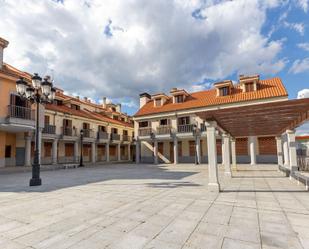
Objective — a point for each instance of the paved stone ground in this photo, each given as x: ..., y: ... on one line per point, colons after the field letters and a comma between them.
x: 147, y: 206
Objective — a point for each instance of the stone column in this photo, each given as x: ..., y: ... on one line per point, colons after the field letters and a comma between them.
x: 292, y: 151
x: 175, y: 150
x: 107, y: 151
x: 155, y: 152
x: 198, y: 149
x: 213, y: 183
x: 93, y: 152
x: 28, y: 151
x: 129, y: 152
x: 286, y: 152
x: 233, y: 150
x: 76, y: 155
x: 119, y: 152
x: 252, y: 145
x: 137, y: 150
x: 222, y: 150
x: 226, y: 155
x: 279, y: 150
x: 55, y: 151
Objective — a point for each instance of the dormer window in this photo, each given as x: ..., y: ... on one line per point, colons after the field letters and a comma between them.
x: 159, y: 99
x: 249, y: 83
x: 179, y: 95
x: 157, y: 102
x: 179, y: 99
x: 224, y: 88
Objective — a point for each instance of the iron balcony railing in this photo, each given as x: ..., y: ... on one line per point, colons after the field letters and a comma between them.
x: 164, y: 129
x: 69, y: 131
x: 203, y: 127
x: 126, y: 138
x: 115, y: 136
x: 185, y: 128
x: 103, y: 135
x: 144, y: 131
x: 88, y: 133
x: 15, y: 111
x: 49, y: 129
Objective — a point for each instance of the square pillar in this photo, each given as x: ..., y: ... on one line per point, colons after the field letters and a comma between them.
x: 107, y: 152
x: 222, y: 151
x: 155, y: 152
x: 28, y: 151
x: 138, y: 153
x: 252, y: 146
x: 93, y: 152
x: 213, y: 183
x: 54, y: 151
x: 118, y: 152
x: 198, y: 149
x: 292, y: 151
x: 175, y: 148
x: 76, y: 155
x: 129, y: 152
x: 226, y: 155
x: 286, y: 152
x: 233, y: 150
x: 279, y: 150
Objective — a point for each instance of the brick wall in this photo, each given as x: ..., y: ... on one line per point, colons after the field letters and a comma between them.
x: 267, y: 146
x: 242, y: 146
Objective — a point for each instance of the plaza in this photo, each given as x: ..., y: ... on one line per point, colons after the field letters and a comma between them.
x: 162, y: 206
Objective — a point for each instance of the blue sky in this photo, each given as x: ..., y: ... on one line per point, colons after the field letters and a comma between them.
x: 119, y: 48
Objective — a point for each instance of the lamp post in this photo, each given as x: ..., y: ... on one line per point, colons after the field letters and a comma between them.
x: 81, y: 160
x: 195, y: 132
x: 39, y: 93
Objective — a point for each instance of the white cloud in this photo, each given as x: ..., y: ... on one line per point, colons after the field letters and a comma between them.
x: 300, y: 66
x: 304, y: 4
x: 303, y: 94
x: 304, y: 46
x: 298, y: 27
x: 150, y: 45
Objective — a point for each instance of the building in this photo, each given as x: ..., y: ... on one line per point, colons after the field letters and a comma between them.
x: 302, y: 145
x: 168, y: 129
x: 107, y: 131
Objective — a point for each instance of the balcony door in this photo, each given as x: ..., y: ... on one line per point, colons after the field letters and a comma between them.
x: 184, y: 121
x: 15, y: 100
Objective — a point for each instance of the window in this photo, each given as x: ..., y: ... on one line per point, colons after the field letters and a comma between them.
x: 183, y: 120
x: 67, y: 123
x: 224, y: 91
x: 157, y: 102
x: 143, y: 124
x: 114, y: 130
x: 46, y: 120
x: 115, y: 117
x: 164, y: 122
x: 192, y: 148
x: 8, y: 151
x: 113, y: 109
x: 179, y: 99
x: 75, y: 107
x: 58, y: 102
x: 86, y: 126
x: 249, y: 87
x: 102, y: 128
x: 125, y: 132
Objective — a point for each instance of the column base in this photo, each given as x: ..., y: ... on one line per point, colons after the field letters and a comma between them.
x: 228, y: 174
x: 214, y: 187
x: 35, y: 182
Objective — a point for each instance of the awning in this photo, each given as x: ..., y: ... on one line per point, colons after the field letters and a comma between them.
x: 260, y: 119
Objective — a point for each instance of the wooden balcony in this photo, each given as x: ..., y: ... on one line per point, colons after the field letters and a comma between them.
x: 164, y: 129
x: 145, y: 131
x: 185, y: 128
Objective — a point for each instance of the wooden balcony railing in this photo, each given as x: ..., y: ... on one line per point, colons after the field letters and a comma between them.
x: 185, y: 128
x: 115, y: 136
x: 69, y: 131
x: 145, y: 131
x: 21, y: 112
x: 103, y: 135
x: 164, y: 129
x: 49, y: 129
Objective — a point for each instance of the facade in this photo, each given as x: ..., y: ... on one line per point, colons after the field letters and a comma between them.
x: 302, y: 143
x: 107, y: 132
x: 168, y: 129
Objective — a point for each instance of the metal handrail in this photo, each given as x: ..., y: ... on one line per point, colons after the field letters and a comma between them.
x: 164, y: 129
x: 49, y: 129
x: 144, y: 131
x: 22, y: 112
x: 185, y: 128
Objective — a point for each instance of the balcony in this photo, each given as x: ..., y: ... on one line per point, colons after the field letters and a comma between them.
x: 126, y: 138
x: 20, y: 112
x: 203, y: 127
x: 164, y: 129
x: 115, y: 136
x: 69, y: 131
x: 144, y: 131
x: 88, y: 133
x: 49, y: 129
x: 185, y: 128
x: 103, y: 135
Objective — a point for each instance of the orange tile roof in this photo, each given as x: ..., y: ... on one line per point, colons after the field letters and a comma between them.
x: 268, y: 88
x: 12, y: 71
x: 302, y: 137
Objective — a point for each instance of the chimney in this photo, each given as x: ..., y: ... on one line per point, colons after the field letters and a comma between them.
x: 3, y: 45
x: 85, y: 99
x: 143, y: 99
x: 104, y: 102
x: 118, y: 108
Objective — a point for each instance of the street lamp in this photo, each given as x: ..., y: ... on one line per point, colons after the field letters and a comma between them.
x: 195, y: 132
x: 39, y: 93
x: 81, y: 161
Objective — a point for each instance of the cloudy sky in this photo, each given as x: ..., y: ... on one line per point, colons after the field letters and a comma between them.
x: 120, y: 48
